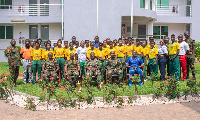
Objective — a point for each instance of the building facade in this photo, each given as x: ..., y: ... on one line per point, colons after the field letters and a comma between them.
x: 62, y: 19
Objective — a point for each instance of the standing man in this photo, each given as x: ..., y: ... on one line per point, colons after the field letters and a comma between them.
x: 190, y: 55
x: 26, y: 56
x: 122, y: 55
x: 36, y: 64
x: 13, y: 55
x: 59, y: 53
x: 108, y: 41
x: 69, y: 51
x: 184, y: 49
x: 91, y: 50
x: 87, y: 44
x: 82, y: 56
x: 135, y: 65
x: 145, y: 52
x: 96, y: 42
x: 74, y: 41
x: 138, y: 48
x: 174, y: 64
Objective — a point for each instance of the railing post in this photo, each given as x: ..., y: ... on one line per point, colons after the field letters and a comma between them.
x: 190, y: 11
x: 9, y: 10
x: 21, y: 10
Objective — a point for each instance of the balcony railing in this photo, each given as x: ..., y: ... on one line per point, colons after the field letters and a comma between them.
x: 174, y: 10
x: 31, y: 10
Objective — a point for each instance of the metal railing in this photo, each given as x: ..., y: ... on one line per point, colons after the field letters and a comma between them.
x: 31, y: 10
x: 174, y: 10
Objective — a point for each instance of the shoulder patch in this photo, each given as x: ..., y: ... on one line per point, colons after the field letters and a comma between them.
x: 8, y: 50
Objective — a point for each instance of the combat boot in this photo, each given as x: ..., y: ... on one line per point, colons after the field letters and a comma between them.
x: 193, y: 75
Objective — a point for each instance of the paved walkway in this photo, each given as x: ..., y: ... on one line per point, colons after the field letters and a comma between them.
x: 153, y: 112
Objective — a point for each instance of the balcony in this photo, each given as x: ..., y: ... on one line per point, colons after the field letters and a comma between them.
x: 174, y: 10
x: 33, y: 13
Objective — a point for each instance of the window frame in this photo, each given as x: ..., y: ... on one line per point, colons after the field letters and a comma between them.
x: 6, y: 32
x: 5, y: 5
x: 161, y: 29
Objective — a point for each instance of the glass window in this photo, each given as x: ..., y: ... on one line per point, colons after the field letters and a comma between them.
x: 160, y: 31
x: 142, y: 3
x: 163, y: 3
x: 6, y: 32
x: 5, y: 4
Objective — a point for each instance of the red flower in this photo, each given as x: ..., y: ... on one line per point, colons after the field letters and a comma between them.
x: 62, y: 87
x: 32, y: 104
x: 114, y: 84
x: 68, y: 100
x: 104, y: 97
x: 40, y: 95
x: 130, y: 96
x: 173, y: 80
x: 158, y: 84
x: 123, y: 101
x: 0, y: 80
x: 117, y: 98
x: 186, y: 89
x: 111, y: 95
x: 136, y: 75
x: 59, y: 85
x: 66, y: 87
x: 130, y: 76
x: 107, y: 80
x: 5, y: 82
x: 160, y: 90
x: 36, y: 80
x: 171, y: 92
x: 165, y: 84
x: 82, y: 77
x: 139, y: 75
x: 90, y: 88
x: 148, y: 77
x: 86, y: 84
x: 51, y: 78
x: 51, y: 89
x: 151, y: 72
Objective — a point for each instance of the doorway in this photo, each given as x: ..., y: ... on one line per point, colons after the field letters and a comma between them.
x: 142, y: 32
x: 45, y: 32
x: 33, y: 31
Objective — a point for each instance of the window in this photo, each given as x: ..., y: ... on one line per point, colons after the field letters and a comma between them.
x: 142, y: 3
x: 6, y: 32
x: 163, y: 3
x: 151, y: 2
x: 160, y: 31
x: 5, y: 4
x: 33, y: 31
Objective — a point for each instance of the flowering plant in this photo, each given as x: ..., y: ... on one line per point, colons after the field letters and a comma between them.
x: 120, y: 100
x: 30, y: 104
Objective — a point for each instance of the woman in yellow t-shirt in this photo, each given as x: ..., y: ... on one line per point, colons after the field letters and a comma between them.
x: 153, y: 59
x: 46, y: 51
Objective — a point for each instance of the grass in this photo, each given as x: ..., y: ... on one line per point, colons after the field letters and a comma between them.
x: 36, y: 90
x: 5, y: 69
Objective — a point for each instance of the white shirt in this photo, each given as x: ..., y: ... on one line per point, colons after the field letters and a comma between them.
x: 82, y: 52
x: 184, y: 47
x: 162, y: 50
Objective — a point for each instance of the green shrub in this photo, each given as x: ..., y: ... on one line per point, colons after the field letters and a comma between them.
x: 197, y: 51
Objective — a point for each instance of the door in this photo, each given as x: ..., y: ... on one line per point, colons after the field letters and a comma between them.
x: 45, y: 32
x: 33, y: 8
x: 44, y: 9
x: 142, y: 32
x: 33, y: 31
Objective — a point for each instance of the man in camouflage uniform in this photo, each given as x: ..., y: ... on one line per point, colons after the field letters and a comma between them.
x: 190, y: 55
x: 114, y: 66
x: 50, y: 68
x: 13, y: 55
x: 72, y: 68
x: 93, y: 67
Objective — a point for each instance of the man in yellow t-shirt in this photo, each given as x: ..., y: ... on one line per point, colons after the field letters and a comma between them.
x: 151, y: 39
x: 36, y: 56
x: 153, y: 59
x: 130, y: 48
x: 59, y: 53
x: 111, y: 49
x: 174, y: 63
x: 87, y: 44
x: 121, y: 54
x: 138, y: 48
x: 145, y: 52
x: 91, y: 50
x: 70, y: 50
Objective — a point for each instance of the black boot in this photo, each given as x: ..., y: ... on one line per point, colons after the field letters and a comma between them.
x: 193, y: 74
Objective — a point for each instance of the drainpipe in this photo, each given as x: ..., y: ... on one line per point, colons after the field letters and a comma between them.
x: 62, y: 20
x: 131, y: 18
x: 97, y: 16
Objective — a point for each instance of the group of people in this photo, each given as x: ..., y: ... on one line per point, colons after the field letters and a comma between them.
x: 103, y: 60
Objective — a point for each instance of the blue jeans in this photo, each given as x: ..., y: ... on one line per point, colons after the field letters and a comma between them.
x: 137, y: 71
x: 162, y: 65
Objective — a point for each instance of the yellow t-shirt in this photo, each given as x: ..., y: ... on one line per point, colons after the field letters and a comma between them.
x: 130, y: 50
x: 145, y: 51
x: 138, y: 49
x: 68, y: 51
x: 88, y: 47
x: 149, y: 46
x: 36, y: 54
x: 59, y: 52
x: 172, y: 48
x: 109, y: 50
x: 89, y: 51
x: 121, y: 50
x: 153, y: 52
x: 101, y: 54
x: 45, y: 54
x: 106, y: 49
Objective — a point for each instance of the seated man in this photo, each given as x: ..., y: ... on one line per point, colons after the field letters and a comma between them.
x: 93, y: 67
x: 134, y: 64
x: 72, y: 68
x: 114, y: 66
x: 50, y: 68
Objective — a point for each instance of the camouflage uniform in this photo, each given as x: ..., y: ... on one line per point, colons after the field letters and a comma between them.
x: 72, y: 70
x: 91, y: 64
x: 15, y: 56
x: 112, y: 66
x: 49, y: 73
x: 190, y: 61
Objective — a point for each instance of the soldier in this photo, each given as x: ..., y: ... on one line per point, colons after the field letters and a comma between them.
x: 50, y: 68
x: 190, y: 55
x: 72, y: 68
x: 93, y: 67
x: 114, y: 66
x: 25, y: 53
x: 13, y: 60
